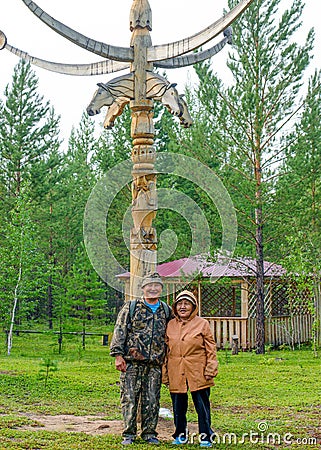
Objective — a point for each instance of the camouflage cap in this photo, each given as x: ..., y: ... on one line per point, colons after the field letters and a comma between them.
x: 152, y: 278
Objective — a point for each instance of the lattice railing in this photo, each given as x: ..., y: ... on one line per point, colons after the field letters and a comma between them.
x: 251, y: 299
x: 175, y: 288
x: 224, y: 300
x: 220, y: 300
x: 300, y: 300
x: 279, y: 300
x: 216, y: 300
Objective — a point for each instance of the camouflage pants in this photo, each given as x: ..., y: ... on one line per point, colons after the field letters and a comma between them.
x: 140, y: 381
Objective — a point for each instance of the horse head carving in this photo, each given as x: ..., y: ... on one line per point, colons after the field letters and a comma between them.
x: 118, y: 92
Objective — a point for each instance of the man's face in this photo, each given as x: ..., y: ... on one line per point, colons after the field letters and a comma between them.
x: 152, y: 290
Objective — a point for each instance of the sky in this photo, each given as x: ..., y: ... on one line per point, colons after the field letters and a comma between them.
x: 108, y: 21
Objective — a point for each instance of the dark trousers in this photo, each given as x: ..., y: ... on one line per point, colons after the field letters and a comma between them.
x: 201, y: 400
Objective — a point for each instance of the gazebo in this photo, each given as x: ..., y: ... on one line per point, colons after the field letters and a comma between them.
x: 227, y: 299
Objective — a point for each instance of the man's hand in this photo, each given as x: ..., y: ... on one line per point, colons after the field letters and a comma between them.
x: 120, y: 363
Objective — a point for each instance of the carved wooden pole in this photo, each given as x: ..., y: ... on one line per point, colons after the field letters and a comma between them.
x: 140, y: 87
x: 143, y: 241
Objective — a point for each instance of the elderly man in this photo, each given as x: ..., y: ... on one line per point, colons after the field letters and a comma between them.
x: 138, y: 345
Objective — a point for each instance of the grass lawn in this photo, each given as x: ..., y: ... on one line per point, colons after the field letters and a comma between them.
x: 259, y: 401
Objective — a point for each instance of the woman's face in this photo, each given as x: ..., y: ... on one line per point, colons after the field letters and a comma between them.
x: 184, y: 309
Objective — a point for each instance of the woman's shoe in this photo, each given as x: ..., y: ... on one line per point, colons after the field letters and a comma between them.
x: 205, y: 444
x: 179, y: 441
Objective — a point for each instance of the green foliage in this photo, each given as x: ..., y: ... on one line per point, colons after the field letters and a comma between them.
x: 298, y: 192
x: 242, y: 131
x: 278, y: 388
x: 247, y: 119
x: 304, y: 272
x: 22, y: 267
x: 47, y: 370
x: 28, y: 138
x: 85, y: 294
x: 114, y: 145
x: 28, y: 131
x: 251, y: 118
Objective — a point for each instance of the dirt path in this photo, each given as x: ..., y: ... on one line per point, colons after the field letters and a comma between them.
x: 94, y: 425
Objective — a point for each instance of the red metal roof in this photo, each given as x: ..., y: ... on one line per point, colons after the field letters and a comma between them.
x: 197, y: 265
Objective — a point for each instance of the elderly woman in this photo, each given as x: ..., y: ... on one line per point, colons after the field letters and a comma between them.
x: 190, y: 364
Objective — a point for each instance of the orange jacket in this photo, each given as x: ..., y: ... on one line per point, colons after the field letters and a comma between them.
x: 190, y: 355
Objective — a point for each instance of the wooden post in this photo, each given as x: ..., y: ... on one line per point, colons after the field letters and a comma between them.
x: 244, y: 299
x: 141, y: 57
x: 317, y: 294
x: 235, y: 344
x: 199, y: 286
x: 143, y: 241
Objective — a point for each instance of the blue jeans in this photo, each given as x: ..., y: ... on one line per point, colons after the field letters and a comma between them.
x: 201, y: 400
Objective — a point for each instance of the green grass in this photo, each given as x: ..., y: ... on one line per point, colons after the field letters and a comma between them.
x: 280, y: 390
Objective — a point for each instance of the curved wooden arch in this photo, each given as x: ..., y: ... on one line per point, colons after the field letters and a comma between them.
x: 174, y: 49
x: 124, y: 54
x: 98, y: 68
x: 154, y: 53
x: 194, y: 58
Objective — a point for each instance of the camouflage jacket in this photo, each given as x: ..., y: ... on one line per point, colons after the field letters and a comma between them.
x: 142, y: 337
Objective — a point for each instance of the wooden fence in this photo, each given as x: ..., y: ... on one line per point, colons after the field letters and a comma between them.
x: 283, y: 330
x: 104, y: 336
x: 278, y: 330
x: 224, y: 328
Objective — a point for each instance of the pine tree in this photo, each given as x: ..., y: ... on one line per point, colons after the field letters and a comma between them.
x: 78, y: 179
x: 28, y: 129
x: 298, y: 192
x: 28, y: 138
x: 85, y: 294
x: 23, y: 268
x: 254, y: 113
x: 298, y: 199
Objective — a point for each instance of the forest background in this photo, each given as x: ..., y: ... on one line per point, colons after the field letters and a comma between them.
x: 260, y: 134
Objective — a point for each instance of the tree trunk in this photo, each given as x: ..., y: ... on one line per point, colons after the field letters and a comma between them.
x: 15, y: 304
x: 50, y: 298
x: 260, y: 332
x: 317, y: 318
x: 50, y: 303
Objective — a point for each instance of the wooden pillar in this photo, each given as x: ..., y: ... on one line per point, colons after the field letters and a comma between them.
x: 246, y: 332
x: 199, y: 291
x: 244, y: 299
x: 143, y: 240
x: 317, y: 295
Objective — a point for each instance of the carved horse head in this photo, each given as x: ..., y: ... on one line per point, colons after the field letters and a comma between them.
x: 106, y: 94
x: 102, y: 97
x: 122, y: 88
x: 170, y: 99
